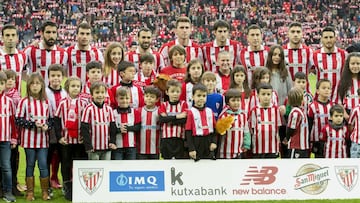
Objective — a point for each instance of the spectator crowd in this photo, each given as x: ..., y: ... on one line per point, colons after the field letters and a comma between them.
x: 121, y: 20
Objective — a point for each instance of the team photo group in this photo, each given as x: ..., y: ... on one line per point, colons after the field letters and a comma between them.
x: 185, y: 100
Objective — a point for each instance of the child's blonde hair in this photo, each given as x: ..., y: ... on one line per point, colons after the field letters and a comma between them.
x: 295, y: 96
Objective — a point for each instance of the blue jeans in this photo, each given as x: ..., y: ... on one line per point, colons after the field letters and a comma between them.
x: 124, y: 153
x: 39, y: 154
x: 5, y: 164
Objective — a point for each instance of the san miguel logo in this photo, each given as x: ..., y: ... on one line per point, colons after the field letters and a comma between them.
x: 312, y: 179
x: 91, y: 178
x: 347, y: 176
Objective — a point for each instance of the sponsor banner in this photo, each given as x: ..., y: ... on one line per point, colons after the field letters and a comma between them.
x: 220, y: 180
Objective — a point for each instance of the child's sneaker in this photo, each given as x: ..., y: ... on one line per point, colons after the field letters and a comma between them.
x: 9, y: 197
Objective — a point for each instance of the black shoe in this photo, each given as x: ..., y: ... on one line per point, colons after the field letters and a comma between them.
x: 212, y: 155
x: 16, y: 192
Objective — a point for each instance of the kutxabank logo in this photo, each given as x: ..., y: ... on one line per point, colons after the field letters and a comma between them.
x: 347, y: 176
x: 91, y: 179
x: 312, y: 179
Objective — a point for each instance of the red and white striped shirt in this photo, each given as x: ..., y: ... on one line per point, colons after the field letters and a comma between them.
x: 351, y: 98
x: 193, y: 51
x: 149, y: 139
x: 254, y: 99
x: 125, y: 140
x: 335, y: 146
x: 212, y: 49
x: 7, y: 120
x: 39, y: 59
x: 142, y: 81
x: 112, y: 79
x: 99, y: 120
x: 169, y: 130
x: 34, y: 110
x: 136, y: 96
x: 79, y: 58
x: 15, y: 62
x: 233, y: 140
x: 54, y: 97
x: 298, y: 121
x: 186, y: 93
x: 62, y: 112
x: 329, y: 65
x: 252, y: 59
x: 320, y: 113
x: 354, y: 120
x: 222, y: 83
x: 298, y: 60
x: 200, y: 122
x: 134, y: 57
x: 265, y: 123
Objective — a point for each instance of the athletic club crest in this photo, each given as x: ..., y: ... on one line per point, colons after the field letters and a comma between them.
x: 90, y: 179
x: 347, y: 176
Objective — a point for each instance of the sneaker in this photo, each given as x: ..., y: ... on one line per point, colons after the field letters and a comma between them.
x: 9, y: 197
x: 55, y: 184
x: 21, y: 188
x: 51, y: 192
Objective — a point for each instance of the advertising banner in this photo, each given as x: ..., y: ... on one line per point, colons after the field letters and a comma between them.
x: 209, y: 180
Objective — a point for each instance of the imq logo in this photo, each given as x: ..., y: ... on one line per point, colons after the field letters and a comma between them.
x: 260, y: 176
x: 136, y: 181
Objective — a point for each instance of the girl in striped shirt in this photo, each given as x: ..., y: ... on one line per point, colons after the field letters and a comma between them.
x: 67, y: 130
x: 32, y: 116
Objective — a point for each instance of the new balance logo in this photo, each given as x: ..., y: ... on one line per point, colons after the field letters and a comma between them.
x: 263, y: 176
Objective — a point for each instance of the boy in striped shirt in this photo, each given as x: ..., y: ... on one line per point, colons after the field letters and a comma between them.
x: 172, y: 119
x: 318, y: 116
x: 149, y: 138
x: 335, y: 134
x: 98, y: 127
x: 128, y: 124
x: 200, y: 126
x: 264, y: 122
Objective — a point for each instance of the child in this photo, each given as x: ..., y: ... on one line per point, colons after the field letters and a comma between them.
x: 54, y: 94
x: 223, y: 73
x: 10, y: 86
x: 264, y: 123
x: 280, y: 76
x: 98, y: 127
x: 237, y: 140
x: 335, y: 134
x: 67, y: 130
x: 300, y: 82
x: 261, y: 75
x: 114, y: 54
x: 354, y: 126
x: 127, y: 72
x: 146, y: 74
x: 177, y: 69
x: 128, y: 123
x: 8, y: 140
x: 318, y: 115
x: 32, y: 116
x: 149, y: 139
x: 194, y: 71
x: 239, y: 81
x: 214, y: 100
x: 172, y: 120
x: 200, y: 126
x: 297, y: 132
x: 12, y: 92
x: 94, y: 74
x: 348, y: 84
